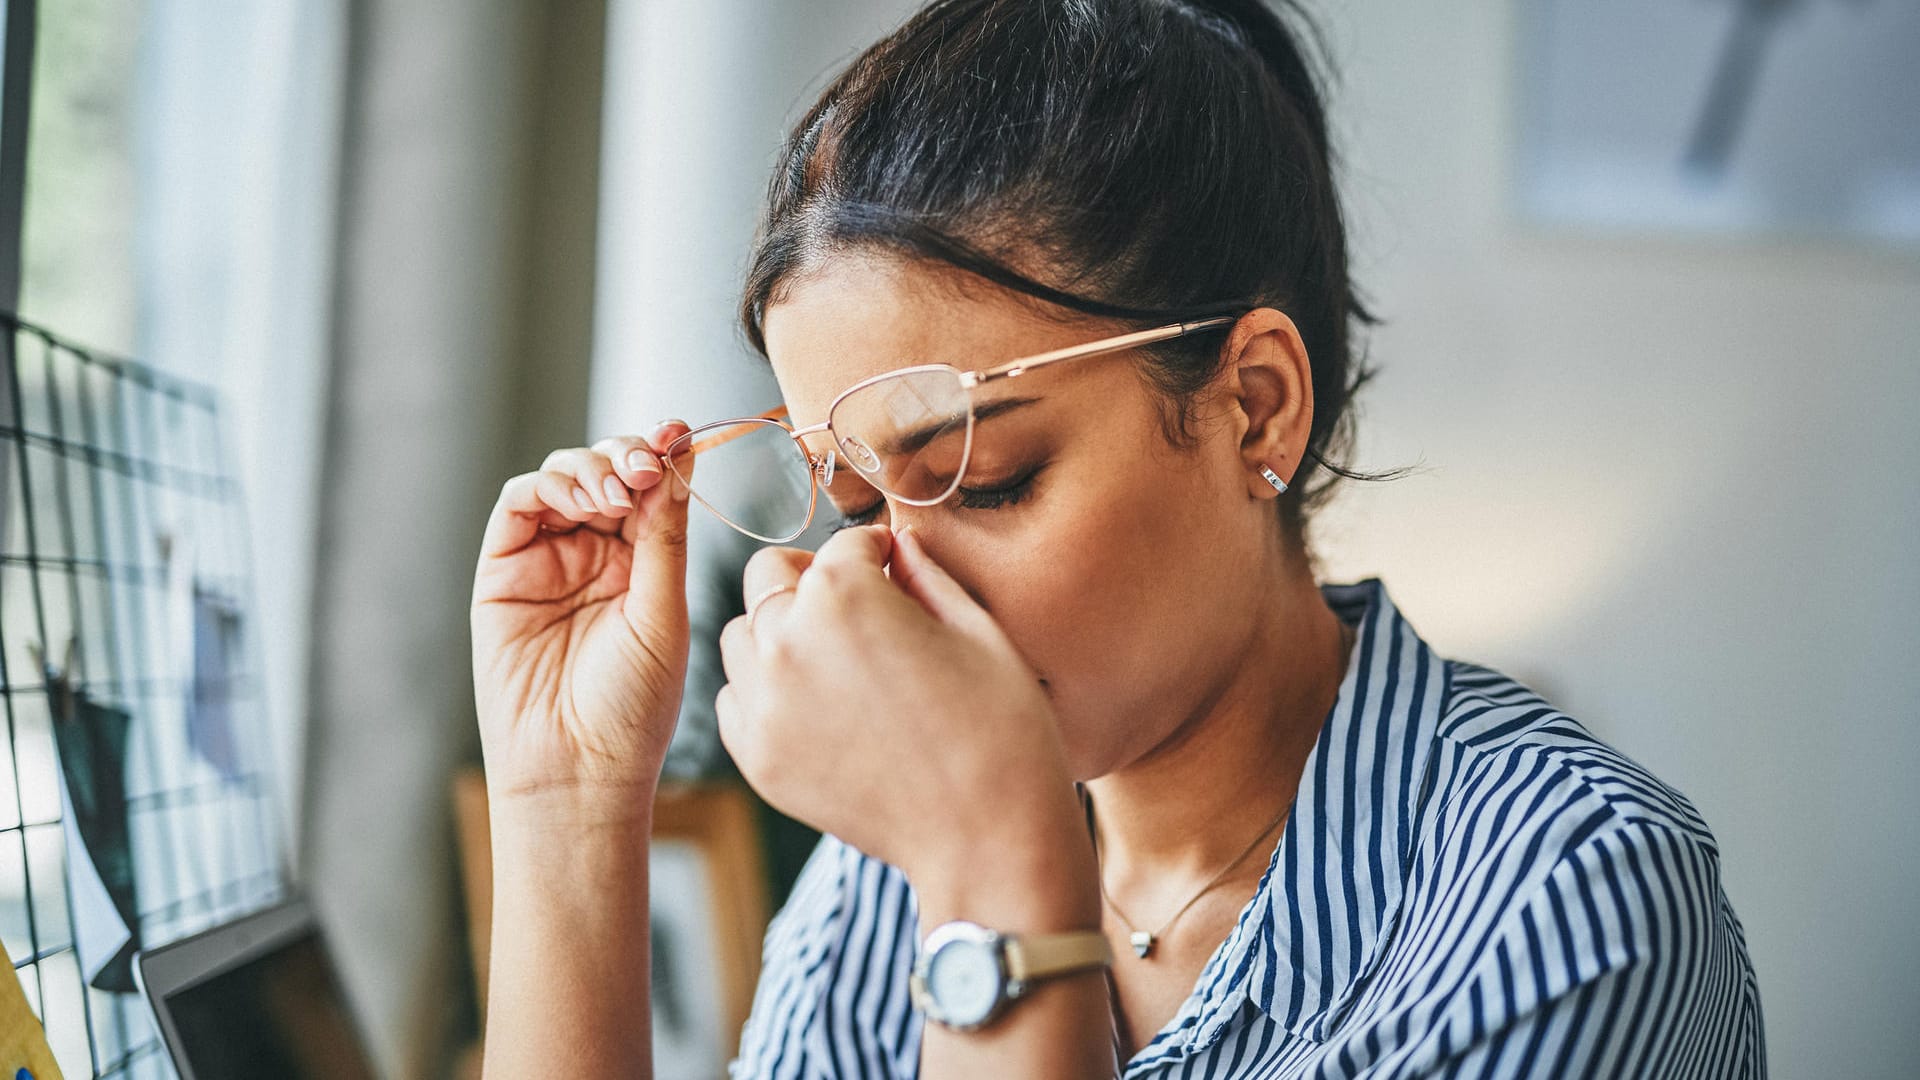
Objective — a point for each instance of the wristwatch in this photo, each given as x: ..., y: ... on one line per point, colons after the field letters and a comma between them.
x: 966, y: 974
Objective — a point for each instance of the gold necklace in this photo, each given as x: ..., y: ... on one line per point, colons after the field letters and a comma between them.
x: 1142, y: 940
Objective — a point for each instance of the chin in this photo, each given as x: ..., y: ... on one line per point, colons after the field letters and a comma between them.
x: 1085, y: 740
x: 1088, y: 758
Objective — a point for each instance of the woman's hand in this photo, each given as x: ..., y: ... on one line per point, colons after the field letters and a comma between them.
x: 579, y: 624
x: 893, y: 712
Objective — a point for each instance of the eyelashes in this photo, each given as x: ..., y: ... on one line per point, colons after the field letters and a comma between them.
x: 997, y: 497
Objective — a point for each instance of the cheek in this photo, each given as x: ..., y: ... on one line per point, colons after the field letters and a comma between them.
x: 1038, y: 593
x: 1127, y: 606
x: 1092, y: 584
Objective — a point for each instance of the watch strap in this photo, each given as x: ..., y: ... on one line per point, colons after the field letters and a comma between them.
x: 1039, y: 956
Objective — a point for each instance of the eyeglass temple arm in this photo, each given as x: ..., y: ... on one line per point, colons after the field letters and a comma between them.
x: 723, y: 437
x: 1096, y: 348
x: 1024, y: 364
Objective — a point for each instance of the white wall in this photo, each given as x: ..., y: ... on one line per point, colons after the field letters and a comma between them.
x: 699, y: 96
x: 1670, y: 481
x: 1672, y: 484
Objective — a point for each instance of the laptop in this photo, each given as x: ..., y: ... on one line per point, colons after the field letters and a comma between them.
x: 257, y: 997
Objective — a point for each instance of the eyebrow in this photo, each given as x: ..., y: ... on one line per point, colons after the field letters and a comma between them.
x: 919, y: 437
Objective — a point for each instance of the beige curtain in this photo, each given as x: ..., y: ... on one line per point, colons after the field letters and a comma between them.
x: 461, y: 330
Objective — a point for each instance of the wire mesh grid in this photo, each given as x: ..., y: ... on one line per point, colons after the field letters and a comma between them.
x: 119, y: 514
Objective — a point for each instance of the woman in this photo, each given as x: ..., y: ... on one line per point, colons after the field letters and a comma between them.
x: 1110, y: 784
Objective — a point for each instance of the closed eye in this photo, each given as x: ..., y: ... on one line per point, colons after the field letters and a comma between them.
x: 996, y: 497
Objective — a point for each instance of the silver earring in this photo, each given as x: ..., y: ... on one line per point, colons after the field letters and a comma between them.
x: 1279, y: 485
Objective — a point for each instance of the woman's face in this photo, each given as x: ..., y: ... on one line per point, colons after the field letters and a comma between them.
x: 1128, y: 573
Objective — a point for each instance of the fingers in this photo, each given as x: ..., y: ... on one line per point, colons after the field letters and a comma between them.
x: 726, y: 706
x: 658, y: 439
x: 730, y: 705
x: 590, y: 480
x: 532, y: 500
x: 853, y: 554
x: 730, y: 713
x: 515, y: 517
x: 632, y: 460
x: 767, y: 568
x: 659, y: 532
x: 855, y: 557
x: 928, y: 582
x: 736, y: 652
x: 595, y: 486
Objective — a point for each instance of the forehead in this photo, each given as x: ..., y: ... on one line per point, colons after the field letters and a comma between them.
x: 857, y: 315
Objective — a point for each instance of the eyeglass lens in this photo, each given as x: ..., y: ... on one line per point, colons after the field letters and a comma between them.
x: 907, y: 434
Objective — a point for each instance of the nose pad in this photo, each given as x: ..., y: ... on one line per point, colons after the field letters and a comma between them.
x: 861, y: 455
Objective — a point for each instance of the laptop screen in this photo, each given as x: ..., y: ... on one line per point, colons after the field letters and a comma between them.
x: 280, y: 1014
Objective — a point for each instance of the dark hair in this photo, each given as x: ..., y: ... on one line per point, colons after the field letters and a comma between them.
x: 1152, y: 160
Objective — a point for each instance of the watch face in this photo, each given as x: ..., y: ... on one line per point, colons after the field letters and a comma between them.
x: 964, y: 977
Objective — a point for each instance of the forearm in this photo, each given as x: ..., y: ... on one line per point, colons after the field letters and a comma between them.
x: 1063, y: 1026
x: 568, y: 992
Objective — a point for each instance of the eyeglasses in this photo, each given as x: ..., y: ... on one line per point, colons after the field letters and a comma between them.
x: 908, y: 433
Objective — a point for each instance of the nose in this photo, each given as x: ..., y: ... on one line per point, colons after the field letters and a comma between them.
x: 939, y: 545
x: 900, y: 515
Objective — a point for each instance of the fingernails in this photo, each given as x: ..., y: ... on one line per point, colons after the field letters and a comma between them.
x: 641, y: 462
x: 583, y: 500
x: 616, y: 492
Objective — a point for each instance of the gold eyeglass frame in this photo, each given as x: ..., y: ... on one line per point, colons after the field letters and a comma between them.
x: 820, y: 470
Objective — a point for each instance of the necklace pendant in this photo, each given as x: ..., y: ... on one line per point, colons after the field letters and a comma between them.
x: 1142, y: 942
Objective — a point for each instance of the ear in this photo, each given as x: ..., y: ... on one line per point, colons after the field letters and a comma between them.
x: 1269, y: 394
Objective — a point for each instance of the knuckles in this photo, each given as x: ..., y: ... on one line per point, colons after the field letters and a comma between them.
x: 750, y: 740
x: 779, y: 650
x: 730, y: 633
x: 774, y: 563
x: 835, y: 579
x: 560, y: 458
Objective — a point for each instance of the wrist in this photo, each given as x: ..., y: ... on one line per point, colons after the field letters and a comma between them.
x: 571, y: 807
x: 552, y: 877
x: 555, y: 844
x: 1038, y: 875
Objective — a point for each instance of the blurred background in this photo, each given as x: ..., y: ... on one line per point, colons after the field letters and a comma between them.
x: 1651, y: 279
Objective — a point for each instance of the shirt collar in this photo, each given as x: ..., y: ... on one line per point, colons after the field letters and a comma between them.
x: 1331, y: 892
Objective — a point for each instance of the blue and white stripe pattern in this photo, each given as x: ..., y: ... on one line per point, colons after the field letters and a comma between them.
x: 1469, y: 884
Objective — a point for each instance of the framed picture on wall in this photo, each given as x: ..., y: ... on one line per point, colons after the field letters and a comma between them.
x: 1728, y: 117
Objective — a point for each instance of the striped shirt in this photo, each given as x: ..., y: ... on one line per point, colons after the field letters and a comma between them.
x: 1469, y: 884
